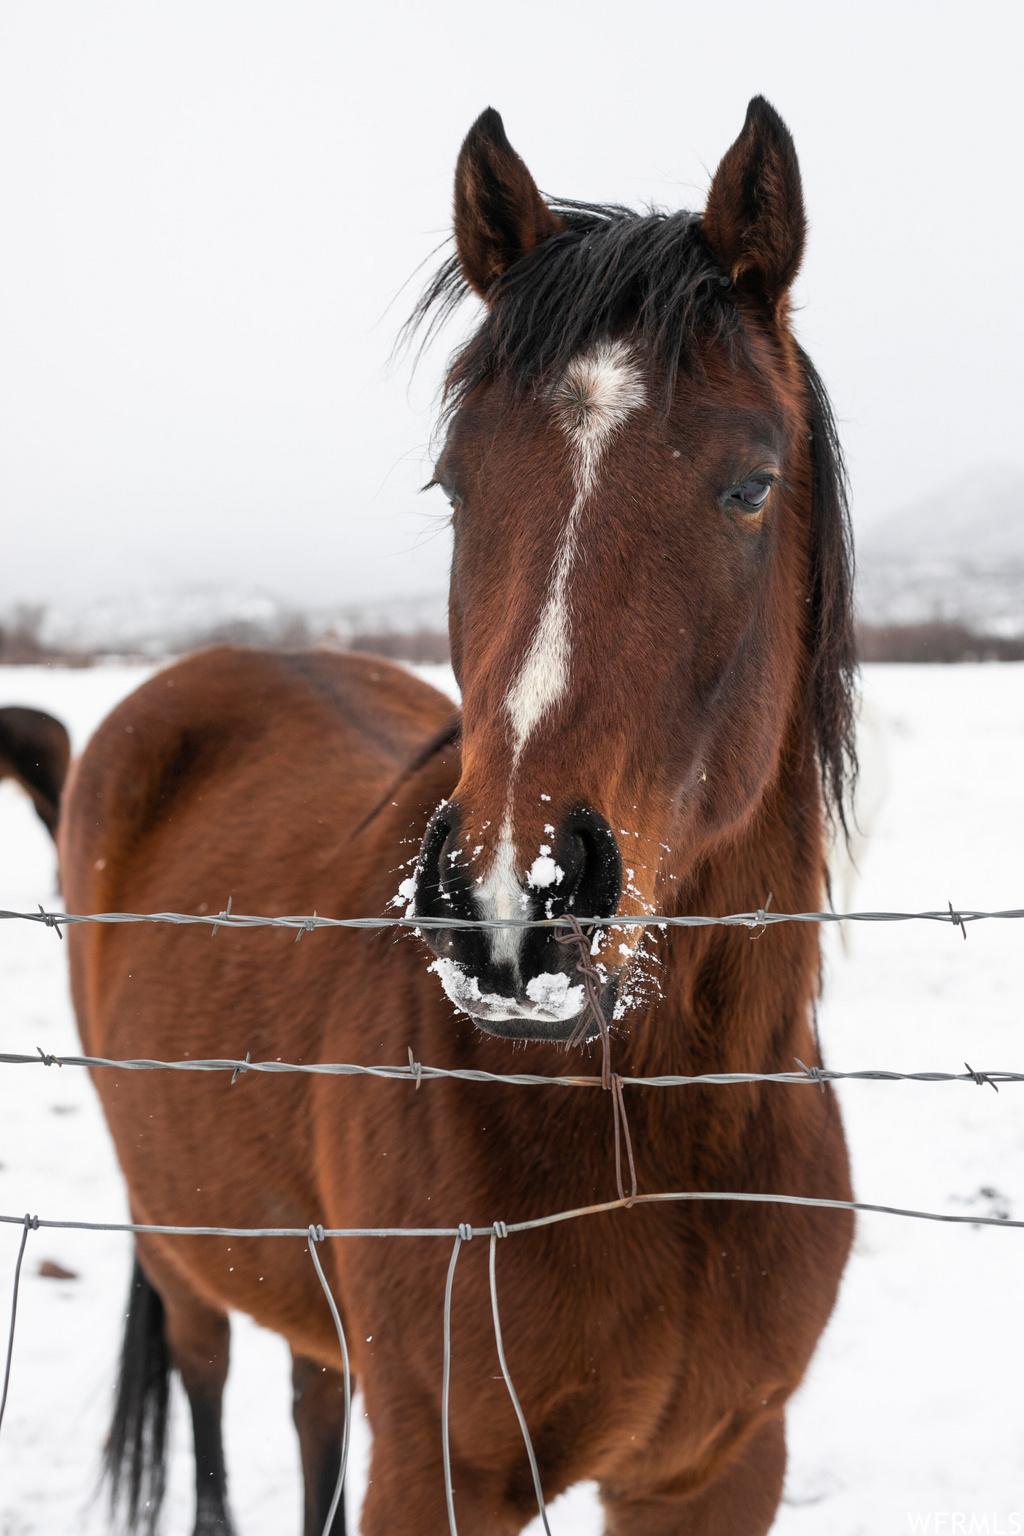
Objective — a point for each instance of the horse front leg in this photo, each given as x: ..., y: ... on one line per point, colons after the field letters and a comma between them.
x: 406, y: 1487
x: 740, y: 1501
x: 318, y: 1408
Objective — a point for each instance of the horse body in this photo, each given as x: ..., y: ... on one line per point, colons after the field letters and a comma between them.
x: 646, y: 716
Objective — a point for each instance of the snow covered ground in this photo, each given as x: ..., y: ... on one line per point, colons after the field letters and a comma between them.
x: 910, y: 1415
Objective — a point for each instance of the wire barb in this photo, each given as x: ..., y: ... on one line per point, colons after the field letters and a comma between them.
x: 307, y: 925
x: 243, y: 1066
x: 956, y: 919
x: 816, y: 1074
x: 51, y: 919
x: 981, y: 1078
x: 415, y: 1068
x: 225, y: 915
x: 761, y: 920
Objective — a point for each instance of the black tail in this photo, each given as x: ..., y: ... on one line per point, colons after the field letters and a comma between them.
x: 135, y: 1457
x: 35, y: 750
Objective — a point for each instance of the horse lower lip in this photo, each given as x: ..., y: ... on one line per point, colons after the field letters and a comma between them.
x: 526, y: 1028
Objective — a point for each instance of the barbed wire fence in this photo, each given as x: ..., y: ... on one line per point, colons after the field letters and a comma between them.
x: 570, y: 930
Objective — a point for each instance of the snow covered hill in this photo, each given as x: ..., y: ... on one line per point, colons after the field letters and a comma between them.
x: 957, y: 557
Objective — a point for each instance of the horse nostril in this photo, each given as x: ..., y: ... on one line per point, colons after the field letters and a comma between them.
x: 436, y: 877
x: 594, y: 874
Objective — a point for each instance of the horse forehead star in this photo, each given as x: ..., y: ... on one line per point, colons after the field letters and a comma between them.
x: 597, y: 392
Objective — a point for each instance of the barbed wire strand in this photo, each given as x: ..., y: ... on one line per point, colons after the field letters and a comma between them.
x: 316, y: 1235
x: 759, y: 919
x: 500, y: 1230
x: 27, y: 1222
x: 417, y: 1072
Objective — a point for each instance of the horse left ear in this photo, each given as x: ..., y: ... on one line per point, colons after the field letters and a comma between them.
x: 754, y: 221
x: 499, y: 214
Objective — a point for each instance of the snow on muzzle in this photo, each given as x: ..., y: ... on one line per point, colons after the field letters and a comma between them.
x: 516, y: 982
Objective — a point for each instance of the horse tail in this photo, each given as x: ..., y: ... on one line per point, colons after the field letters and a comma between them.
x: 35, y: 750
x: 135, y: 1459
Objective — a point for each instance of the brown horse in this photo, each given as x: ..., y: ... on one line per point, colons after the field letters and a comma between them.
x: 35, y: 751
x: 650, y: 622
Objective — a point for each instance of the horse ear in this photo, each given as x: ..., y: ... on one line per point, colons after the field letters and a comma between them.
x: 499, y: 214
x: 754, y: 220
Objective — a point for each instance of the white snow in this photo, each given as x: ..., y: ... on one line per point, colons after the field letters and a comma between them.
x: 554, y: 996
x: 544, y: 871
x: 911, y: 1408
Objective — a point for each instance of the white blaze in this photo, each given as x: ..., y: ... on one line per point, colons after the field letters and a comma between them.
x: 596, y: 395
x: 594, y: 399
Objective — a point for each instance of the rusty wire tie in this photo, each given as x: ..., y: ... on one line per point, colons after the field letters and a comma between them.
x: 611, y: 1081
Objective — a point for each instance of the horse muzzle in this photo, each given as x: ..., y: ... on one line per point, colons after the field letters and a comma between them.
x: 519, y: 982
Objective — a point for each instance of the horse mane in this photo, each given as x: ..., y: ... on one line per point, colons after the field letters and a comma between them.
x: 651, y: 276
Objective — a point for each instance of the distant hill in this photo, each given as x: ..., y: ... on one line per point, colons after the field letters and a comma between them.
x: 957, y: 557
x: 160, y: 623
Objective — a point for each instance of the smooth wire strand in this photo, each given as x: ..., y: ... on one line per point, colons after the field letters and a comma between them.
x: 465, y: 1232
x: 418, y: 1072
x: 27, y: 1222
x: 759, y: 919
x: 499, y: 1230
x: 462, y: 1234
x: 316, y: 1235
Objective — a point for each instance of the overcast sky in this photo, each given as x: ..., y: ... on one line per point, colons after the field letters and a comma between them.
x: 210, y: 209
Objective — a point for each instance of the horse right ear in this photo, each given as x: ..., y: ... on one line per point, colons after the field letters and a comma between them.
x: 499, y: 214
x: 754, y: 220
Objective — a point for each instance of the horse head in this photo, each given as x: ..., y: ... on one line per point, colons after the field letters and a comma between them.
x: 650, y: 590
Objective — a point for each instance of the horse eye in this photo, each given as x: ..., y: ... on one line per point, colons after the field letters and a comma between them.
x: 450, y: 495
x: 751, y: 495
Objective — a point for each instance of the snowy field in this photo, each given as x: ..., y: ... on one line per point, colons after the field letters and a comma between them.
x: 910, y: 1417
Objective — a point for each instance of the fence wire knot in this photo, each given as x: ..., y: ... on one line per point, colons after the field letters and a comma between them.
x: 31, y: 1223
x: 316, y: 1233
x: 981, y: 1078
x: 499, y: 1229
x: 465, y: 1231
x: 48, y: 1061
x: 243, y: 1066
x: 815, y: 1074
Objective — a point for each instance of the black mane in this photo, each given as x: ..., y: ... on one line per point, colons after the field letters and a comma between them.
x: 651, y: 277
